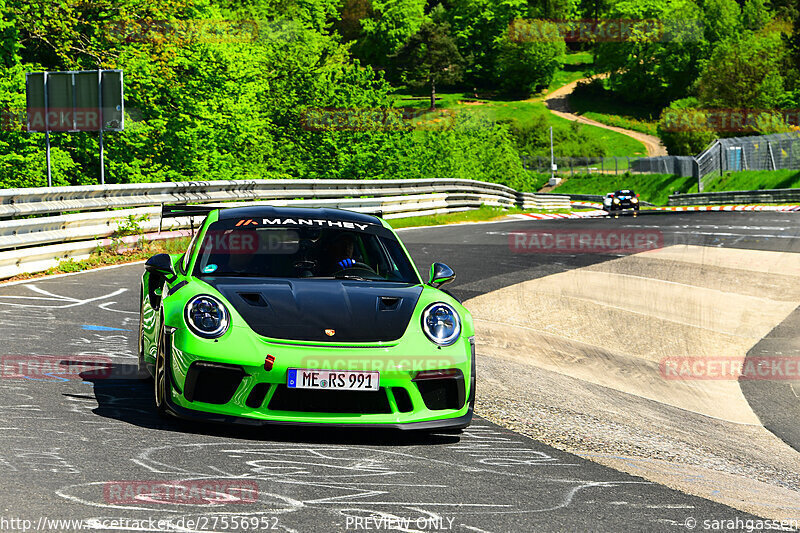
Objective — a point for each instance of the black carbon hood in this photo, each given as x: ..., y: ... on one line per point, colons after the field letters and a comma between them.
x: 302, y: 310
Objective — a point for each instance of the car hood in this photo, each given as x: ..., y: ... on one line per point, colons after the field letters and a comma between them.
x: 303, y: 309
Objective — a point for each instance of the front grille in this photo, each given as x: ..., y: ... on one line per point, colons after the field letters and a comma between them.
x: 257, y: 395
x: 330, y: 401
x: 402, y: 399
x: 440, y: 394
x: 212, y: 382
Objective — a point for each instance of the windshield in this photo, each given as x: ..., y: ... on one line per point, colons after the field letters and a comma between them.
x: 302, y: 252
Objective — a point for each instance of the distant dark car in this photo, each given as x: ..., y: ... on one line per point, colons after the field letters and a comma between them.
x: 621, y: 201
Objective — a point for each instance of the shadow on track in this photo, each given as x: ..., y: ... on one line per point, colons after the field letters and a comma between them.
x: 131, y: 401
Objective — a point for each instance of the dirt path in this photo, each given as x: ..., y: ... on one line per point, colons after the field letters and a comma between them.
x: 558, y: 104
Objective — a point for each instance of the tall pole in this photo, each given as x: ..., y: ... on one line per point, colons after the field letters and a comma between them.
x: 47, y: 143
x: 47, y: 133
x: 100, y: 109
x: 552, y: 162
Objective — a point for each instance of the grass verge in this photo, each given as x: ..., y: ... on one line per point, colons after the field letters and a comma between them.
x: 107, y: 256
x: 753, y: 180
x: 656, y: 188
x: 602, y: 105
x: 483, y: 214
x: 653, y: 188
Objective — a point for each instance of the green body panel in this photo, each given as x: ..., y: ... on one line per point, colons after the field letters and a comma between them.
x: 397, y: 361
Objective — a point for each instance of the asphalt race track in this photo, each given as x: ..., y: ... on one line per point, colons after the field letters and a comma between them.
x: 65, y: 442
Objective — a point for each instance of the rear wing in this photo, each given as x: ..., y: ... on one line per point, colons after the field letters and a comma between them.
x: 184, y: 210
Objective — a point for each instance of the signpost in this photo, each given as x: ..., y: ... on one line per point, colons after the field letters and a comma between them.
x: 75, y: 101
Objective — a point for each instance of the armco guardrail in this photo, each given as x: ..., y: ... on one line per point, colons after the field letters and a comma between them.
x: 576, y: 197
x: 597, y: 198
x: 93, y: 213
x: 766, y: 196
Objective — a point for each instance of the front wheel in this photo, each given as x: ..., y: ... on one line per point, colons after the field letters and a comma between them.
x: 160, y: 378
x: 142, y: 372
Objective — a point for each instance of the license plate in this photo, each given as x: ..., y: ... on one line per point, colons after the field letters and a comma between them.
x: 308, y: 378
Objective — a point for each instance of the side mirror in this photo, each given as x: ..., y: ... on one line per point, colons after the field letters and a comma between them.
x: 441, y: 274
x: 160, y: 264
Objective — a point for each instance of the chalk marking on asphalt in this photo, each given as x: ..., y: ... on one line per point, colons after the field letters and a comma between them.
x: 571, y: 495
x: 104, y: 307
x: 71, y: 302
x: 67, y: 274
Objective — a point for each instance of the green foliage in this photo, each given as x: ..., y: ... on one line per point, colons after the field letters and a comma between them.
x: 755, y: 14
x: 654, y: 66
x: 721, y: 19
x: 753, y: 180
x: 592, y: 100
x: 484, y: 212
x: 388, y: 26
x: 683, y: 128
x: 205, y: 108
x: 202, y: 108
x: 130, y: 225
x: 430, y: 57
x: 477, y: 25
x: 526, y: 66
x: 569, y: 139
x: 745, y: 73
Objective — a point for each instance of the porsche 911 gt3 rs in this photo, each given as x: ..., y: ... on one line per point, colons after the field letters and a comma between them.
x: 304, y: 316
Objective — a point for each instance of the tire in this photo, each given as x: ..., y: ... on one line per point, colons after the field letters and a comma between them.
x: 160, y: 377
x: 142, y: 372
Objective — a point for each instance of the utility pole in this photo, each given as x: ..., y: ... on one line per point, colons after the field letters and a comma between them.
x: 552, y: 160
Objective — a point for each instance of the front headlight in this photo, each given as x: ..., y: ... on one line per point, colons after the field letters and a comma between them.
x: 206, y: 316
x: 616, y: 200
x: 635, y: 200
x: 441, y: 324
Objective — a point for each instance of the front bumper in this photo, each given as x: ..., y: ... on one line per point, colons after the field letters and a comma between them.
x: 209, y: 385
x: 621, y: 207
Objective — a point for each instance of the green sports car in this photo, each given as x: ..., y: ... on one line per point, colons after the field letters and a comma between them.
x: 304, y: 316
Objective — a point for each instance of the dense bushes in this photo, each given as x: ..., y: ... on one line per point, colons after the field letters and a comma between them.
x: 208, y: 109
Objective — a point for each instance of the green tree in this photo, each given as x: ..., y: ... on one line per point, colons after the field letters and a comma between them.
x: 755, y: 14
x: 745, y: 73
x: 390, y: 24
x: 721, y: 19
x: 524, y: 66
x: 430, y: 57
x: 9, y: 40
x: 652, y: 65
x: 477, y: 25
x: 684, y: 129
